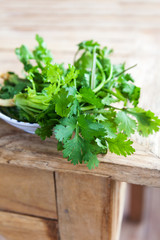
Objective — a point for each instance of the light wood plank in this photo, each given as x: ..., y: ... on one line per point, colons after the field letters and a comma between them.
x: 27, y: 191
x: 18, y: 227
x: 136, y: 207
x: 148, y: 228
x: 25, y: 150
x: 117, y: 201
x: 89, y: 207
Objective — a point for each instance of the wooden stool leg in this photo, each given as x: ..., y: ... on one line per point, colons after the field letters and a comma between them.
x: 89, y: 207
x: 136, y: 203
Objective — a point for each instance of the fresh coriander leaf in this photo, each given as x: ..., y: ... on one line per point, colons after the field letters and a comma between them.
x: 120, y: 145
x: 53, y: 73
x: 60, y: 146
x: 147, y: 121
x: 100, y: 118
x: 89, y: 96
x: 128, y: 77
x: 108, y: 100
x: 65, y: 129
x: 125, y: 123
x: 71, y: 91
x: 46, y: 129
x: 41, y: 53
x: 47, y: 120
x: 89, y: 128
x: 62, y: 101
x: 110, y: 129
x: 90, y: 159
x: 118, y: 68
x: 88, y: 45
x: 73, y: 150
x: 24, y: 55
x: 100, y: 144
x: 129, y: 90
x: 74, y: 108
x: 132, y: 92
x: 71, y: 75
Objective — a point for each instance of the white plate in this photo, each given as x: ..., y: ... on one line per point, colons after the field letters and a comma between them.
x: 27, y: 127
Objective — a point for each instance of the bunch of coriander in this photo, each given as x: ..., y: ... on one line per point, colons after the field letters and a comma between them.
x: 80, y: 104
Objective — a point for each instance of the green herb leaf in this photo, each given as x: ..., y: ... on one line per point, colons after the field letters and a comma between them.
x: 125, y: 123
x: 65, y: 129
x: 120, y: 145
x: 147, y: 121
x: 73, y: 150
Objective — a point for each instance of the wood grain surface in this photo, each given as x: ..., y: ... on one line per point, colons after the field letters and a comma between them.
x: 148, y: 227
x: 132, y: 28
x: 17, y: 227
x: 27, y: 191
x: 89, y: 207
x: 21, y: 149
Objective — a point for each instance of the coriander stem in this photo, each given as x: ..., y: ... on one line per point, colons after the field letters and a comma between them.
x: 104, y: 80
x: 109, y: 106
x: 125, y: 70
x: 103, y: 76
x: 88, y: 108
x: 93, y: 69
x: 115, y: 94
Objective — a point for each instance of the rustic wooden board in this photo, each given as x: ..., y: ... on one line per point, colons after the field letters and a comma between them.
x: 136, y: 207
x: 18, y: 227
x: 148, y: 228
x: 27, y: 191
x: 132, y: 28
x: 21, y: 149
x: 89, y: 207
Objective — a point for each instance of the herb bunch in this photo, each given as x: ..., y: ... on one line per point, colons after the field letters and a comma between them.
x: 91, y: 106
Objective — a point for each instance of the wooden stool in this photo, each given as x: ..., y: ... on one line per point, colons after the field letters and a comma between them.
x: 45, y: 197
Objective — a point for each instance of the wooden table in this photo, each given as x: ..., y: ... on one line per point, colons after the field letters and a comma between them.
x: 42, y: 196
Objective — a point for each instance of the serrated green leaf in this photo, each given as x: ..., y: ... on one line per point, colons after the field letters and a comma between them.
x: 100, y: 118
x: 74, y: 108
x: 62, y: 101
x: 91, y: 160
x: 125, y: 123
x: 65, y: 129
x: 100, y: 144
x: 110, y: 129
x: 147, y: 121
x: 89, y: 128
x: 71, y: 75
x: 88, y: 45
x: 89, y: 96
x: 120, y: 145
x: 73, y: 150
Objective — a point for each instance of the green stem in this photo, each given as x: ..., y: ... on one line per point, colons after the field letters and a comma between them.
x: 93, y: 69
x: 125, y: 70
x: 104, y: 80
x: 115, y: 94
x: 88, y: 108
x: 109, y: 106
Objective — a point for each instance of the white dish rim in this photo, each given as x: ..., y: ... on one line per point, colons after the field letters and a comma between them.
x: 8, y: 119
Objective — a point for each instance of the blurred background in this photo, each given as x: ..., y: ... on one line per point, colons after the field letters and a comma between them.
x: 132, y: 29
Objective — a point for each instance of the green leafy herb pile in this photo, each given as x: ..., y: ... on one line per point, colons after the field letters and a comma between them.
x: 91, y: 106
